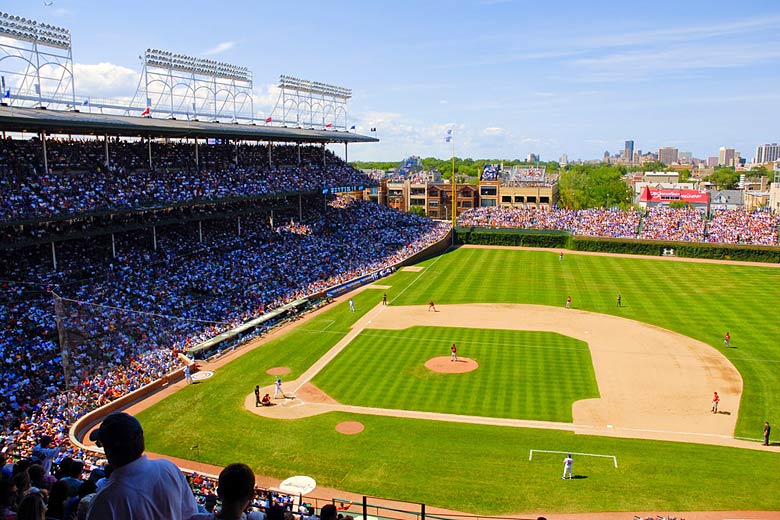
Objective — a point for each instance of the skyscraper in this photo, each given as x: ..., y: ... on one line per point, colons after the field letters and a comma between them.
x: 767, y: 153
x: 667, y: 155
x: 726, y: 156
x: 628, y: 151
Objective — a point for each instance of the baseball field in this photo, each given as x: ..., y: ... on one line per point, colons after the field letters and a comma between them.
x: 633, y: 382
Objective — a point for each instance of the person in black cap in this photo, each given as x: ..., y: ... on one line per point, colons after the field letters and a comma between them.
x: 138, y: 488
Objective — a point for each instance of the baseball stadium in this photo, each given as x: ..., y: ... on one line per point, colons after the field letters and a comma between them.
x: 231, y: 284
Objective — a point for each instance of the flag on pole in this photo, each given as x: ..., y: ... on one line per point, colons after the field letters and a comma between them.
x: 352, y: 127
x: 147, y: 112
x: 85, y: 102
x: 448, y: 135
x: 268, y: 120
x: 8, y: 93
x: 329, y: 125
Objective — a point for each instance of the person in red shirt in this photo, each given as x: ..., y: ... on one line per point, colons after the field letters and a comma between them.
x: 454, y: 350
x: 727, y: 340
x: 431, y: 306
x: 715, y: 401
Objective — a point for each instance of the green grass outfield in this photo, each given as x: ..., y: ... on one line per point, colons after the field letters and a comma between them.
x: 485, y: 469
x: 522, y: 374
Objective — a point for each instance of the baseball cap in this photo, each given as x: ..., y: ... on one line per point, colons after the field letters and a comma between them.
x: 118, y: 429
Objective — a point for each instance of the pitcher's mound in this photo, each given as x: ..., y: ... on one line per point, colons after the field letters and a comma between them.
x: 446, y: 366
x: 277, y: 371
x: 350, y: 427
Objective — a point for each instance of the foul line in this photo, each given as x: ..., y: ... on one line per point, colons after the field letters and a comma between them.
x: 417, y: 278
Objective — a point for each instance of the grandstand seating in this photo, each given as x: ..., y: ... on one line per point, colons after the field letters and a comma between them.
x: 78, y: 181
x: 675, y: 224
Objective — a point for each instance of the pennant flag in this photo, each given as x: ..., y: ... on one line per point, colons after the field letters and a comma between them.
x: 147, y: 112
x: 86, y: 102
x: 352, y: 127
x: 8, y: 93
x: 448, y: 135
x: 268, y: 120
x: 329, y: 125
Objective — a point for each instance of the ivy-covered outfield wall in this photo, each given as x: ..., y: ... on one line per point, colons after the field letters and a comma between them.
x: 563, y: 239
x: 512, y: 237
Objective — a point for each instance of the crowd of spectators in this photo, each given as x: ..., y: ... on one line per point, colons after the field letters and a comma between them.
x: 65, y: 486
x: 78, y: 180
x: 599, y: 222
x: 741, y: 227
x: 679, y: 224
x: 490, y: 172
x: 676, y: 224
x: 530, y: 176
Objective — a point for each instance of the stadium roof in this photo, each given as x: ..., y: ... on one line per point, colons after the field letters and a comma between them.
x: 34, y: 120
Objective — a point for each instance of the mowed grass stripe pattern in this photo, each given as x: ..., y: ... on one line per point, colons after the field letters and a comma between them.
x: 700, y: 300
x: 521, y: 374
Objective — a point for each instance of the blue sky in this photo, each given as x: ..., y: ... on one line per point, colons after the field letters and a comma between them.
x: 511, y: 77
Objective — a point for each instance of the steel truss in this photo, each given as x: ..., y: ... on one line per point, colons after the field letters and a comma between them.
x: 311, y: 104
x: 36, y: 63
x: 185, y: 86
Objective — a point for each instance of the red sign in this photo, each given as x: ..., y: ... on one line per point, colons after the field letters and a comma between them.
x: 660, y: 196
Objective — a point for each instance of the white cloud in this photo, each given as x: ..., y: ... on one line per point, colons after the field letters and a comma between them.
x: 494, y: 131
x: 219, y: 48
x: 104, y: 79
x: 264, y: 98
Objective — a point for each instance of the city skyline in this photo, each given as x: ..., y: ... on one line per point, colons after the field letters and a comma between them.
x: 510, y: 78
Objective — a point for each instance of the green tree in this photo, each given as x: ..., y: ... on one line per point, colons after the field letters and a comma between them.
x: 653, y: 166
x: 724, y: 178
x: 588, y: 186
x: 757, y: 172
x: 685, y: 175
x: 417, y: 210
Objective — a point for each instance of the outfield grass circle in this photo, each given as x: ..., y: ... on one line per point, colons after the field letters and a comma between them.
x: 445, y: 365
x: 278, y: 371
x: 350, y: 427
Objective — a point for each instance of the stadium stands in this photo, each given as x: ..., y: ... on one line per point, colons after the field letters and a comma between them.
x: 675, y: 224
x: 78, y: 181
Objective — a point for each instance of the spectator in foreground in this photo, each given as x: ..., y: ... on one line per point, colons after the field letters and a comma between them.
x: 32, y: 507
x: 328, y: 512
x: 236, y: 489
x: 138, y: 488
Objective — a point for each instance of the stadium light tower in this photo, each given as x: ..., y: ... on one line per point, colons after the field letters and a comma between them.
x: 313, y: 104
x: 36, y: 63
x: 178, y: 84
